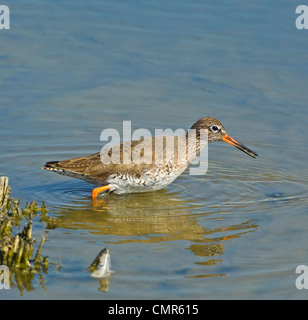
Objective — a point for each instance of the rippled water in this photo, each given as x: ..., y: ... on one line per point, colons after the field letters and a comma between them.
x: 69, y: 71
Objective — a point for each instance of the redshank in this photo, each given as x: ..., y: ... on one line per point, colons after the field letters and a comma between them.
x: 148, y: 175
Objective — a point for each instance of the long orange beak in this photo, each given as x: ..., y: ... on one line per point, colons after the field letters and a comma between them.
x: 239, y: 145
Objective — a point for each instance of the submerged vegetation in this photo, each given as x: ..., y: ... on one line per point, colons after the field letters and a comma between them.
x: 17, y: 250
x: 21, y: 254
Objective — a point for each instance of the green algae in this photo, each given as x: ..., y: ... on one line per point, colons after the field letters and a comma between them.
x: 17, y: 250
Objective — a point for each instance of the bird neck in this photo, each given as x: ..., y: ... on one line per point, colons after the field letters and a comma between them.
x: 196, y: 140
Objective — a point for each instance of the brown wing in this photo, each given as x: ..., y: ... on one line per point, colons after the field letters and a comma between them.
x: 92, y: 166
x: 97, y: 167
x: 77, y: 165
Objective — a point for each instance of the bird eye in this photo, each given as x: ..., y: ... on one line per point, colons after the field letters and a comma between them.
x: 215, y: 128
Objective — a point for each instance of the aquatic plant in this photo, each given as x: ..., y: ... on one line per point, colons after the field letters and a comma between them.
x: 16, y: 250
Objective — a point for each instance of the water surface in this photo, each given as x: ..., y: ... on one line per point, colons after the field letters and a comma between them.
x: 70, y: 70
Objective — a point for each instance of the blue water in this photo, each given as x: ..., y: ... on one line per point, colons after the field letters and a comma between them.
x: 70, y: 69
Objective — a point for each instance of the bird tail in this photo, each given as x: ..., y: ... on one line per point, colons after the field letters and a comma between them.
x: 56, y: 166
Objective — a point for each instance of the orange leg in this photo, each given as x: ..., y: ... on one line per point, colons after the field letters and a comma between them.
x: 96, y: 191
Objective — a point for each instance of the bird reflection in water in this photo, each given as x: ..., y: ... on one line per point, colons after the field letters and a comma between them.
x: 155, y: 217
